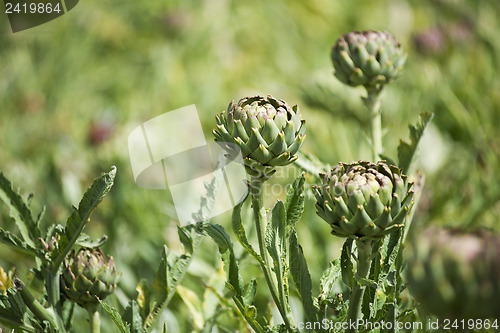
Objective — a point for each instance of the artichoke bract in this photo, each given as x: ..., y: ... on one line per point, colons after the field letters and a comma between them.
x: 267, y: 131
x: 367, y: 58
x: 87, y: 276
x: 363, y: 200
x: 455, y: 274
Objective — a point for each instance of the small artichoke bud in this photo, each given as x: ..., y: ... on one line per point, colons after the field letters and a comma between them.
x: 455, y: 274
x: 267, y: 131
x: 87, y: 276
x: 363, y: 200
x: 367, y: 58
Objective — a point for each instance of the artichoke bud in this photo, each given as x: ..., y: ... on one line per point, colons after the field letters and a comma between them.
x: 367, y: 58
x: 363, y: 200
x: 267, y: 131
x: 87, y: 276
x: 454, y: 274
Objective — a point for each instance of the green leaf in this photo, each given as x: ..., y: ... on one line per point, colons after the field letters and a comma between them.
x: 81, y: 215
x: 84, y: 240
x: 221, y: 238
x: 233, y: 279
x: 169, y: 275
x: 240, y: 233
x: 19, y: 211
x: 329, y: 279
x: 370, y: 304
x: 275, y: 233
x: 18, y: 244
x: 346, y: 264
x: 250, y: 292
x: 406, y: 151
x: 12, y: 306
x: 294, y: 202
x: 116, y: 318
x: 302, y: 278
x: 132, y: 316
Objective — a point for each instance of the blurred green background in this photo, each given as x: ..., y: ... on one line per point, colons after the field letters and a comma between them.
x: 72, y: 90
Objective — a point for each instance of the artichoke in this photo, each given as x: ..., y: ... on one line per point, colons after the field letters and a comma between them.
x: 454, y: 274
x: 87, y: 276
x: 363, y: 200
x: 368, y: 58
x: 267, y: 131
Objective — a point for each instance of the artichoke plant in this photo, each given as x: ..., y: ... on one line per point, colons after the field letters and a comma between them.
x: 363, y: 200
x: 367, y: 58
x: 454, y: 274
x: 267, y: 131
x: 87, y: 276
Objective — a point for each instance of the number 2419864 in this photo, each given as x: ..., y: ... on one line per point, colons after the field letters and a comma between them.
x: 33, y: 8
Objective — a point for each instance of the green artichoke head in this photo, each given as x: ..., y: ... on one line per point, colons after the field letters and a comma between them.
x: 267, y: 131
x: 363, y: 200
x: 87, y: 276
x: 367, y: 58
x: 454, y: 274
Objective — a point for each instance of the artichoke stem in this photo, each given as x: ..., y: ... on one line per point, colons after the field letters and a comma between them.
x: 95, y: 321
x: 256, y: 193
x: 363, y: 269
x: 372, y: 103
x: 36, y: 308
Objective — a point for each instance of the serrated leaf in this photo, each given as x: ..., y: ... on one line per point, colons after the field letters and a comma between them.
x: 12, y: 306
x: 221, y: 238
x: 406, y: 151
x: 329, y: 278
x: 346, y: 264
x: 294, y: 202
x: 250, y: 292
x: 84, y: 240
x: 369, y: 305
x: 364, y: 282
x: 18, y: 244
x: 186, y: 239
x: 160, y: 282
x: 275, y: 233
x: 390, y: 252
x: 19, y: 211
x: 168, y: 276
x: 240, y: 233
x: 81, y: 215
x: 115, y: 317
x: 132, y: 316
x: 302, y: 278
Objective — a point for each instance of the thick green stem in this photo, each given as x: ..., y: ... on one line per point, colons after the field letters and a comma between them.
x: 53, y: 294
x: 372, y: 103
x: 260, y: 225
x: 95, y: 322
x: 35, y: 307
x: 363, y: 269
